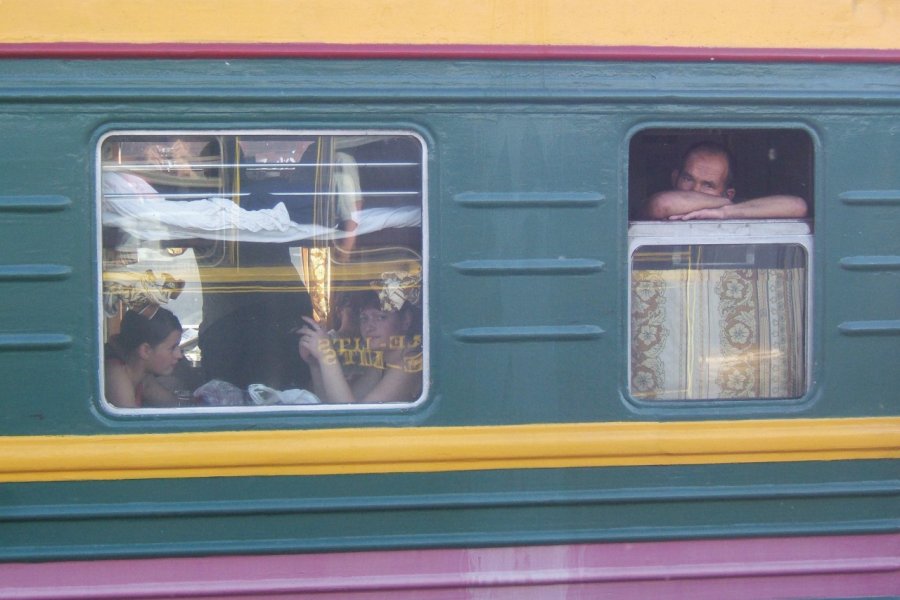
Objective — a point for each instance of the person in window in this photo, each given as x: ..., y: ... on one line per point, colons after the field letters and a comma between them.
x: 703, y: 189
x: 345, y: 336
x: 349, y: 200
x: 146, y: 346
x: 245, y: 336
x: 345, y: 318
x: 387, y: 361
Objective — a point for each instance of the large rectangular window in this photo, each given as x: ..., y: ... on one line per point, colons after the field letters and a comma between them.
x: 292, y: 262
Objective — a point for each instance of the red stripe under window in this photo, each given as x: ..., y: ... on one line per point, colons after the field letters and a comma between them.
x: 507, y: 52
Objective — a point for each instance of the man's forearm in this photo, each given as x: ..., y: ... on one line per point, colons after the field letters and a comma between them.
x: 675, y: 202
x: 768, y: 207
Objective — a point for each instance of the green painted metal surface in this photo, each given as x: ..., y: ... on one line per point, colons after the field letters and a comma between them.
x: 527, y: 166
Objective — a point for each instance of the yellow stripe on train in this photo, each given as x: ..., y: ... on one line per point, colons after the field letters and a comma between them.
x: 437, y: 449
x: 873, y: 24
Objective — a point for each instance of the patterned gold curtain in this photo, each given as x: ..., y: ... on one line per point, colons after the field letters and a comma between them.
x: 317, y: 259
x: 718, y: 333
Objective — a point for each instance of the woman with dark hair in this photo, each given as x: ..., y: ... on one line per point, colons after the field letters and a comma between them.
x: 146, y: 346
x: 387, y: 359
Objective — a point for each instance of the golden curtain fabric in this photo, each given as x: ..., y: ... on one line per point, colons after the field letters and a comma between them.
x: 708, y: 333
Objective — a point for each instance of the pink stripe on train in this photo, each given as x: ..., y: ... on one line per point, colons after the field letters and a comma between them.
x: 757, y: 569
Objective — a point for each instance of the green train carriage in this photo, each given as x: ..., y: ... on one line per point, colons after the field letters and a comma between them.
x: 529, y: 430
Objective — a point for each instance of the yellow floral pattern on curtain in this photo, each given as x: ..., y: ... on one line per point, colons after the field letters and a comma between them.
x: 718, y: 333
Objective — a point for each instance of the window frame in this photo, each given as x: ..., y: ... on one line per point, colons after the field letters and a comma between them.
x: 731, y: 233
x: 246, y: 410
x: 687, y: 129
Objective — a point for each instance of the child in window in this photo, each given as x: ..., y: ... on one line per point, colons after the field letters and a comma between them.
x: 386, y: 359
x: 147, y: 346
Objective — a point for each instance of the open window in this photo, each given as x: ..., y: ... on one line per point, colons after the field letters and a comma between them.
x: 720, y: 309
x: 240, y: 235
x: 766, y: 162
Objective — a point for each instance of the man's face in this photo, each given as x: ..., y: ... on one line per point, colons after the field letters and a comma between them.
x: 704, y: 173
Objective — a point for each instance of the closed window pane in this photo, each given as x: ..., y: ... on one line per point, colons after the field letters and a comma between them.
x: 247, y: 239
x: 718, y: 321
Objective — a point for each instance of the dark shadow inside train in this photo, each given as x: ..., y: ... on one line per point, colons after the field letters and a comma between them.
x: 767, y: 161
